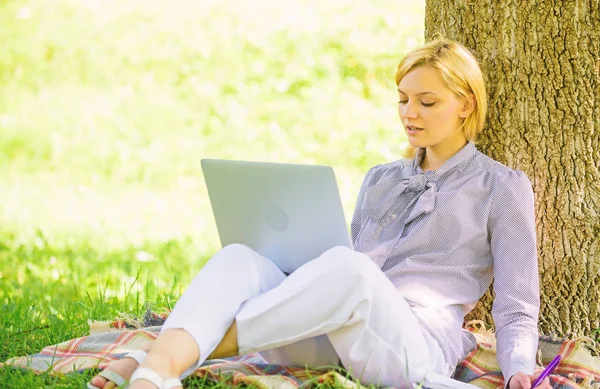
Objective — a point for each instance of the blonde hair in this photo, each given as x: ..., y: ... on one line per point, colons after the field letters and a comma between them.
x: 461, y: 74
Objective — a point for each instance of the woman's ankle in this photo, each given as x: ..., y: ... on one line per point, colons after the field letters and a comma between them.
x: 173, y: 352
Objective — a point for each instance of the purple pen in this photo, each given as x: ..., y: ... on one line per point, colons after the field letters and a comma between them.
x: 546, y: 372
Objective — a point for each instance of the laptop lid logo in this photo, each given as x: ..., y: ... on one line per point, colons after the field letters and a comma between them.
x: 276, y: 218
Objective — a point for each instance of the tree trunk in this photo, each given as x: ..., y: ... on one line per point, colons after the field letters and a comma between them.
x: 541, y: 60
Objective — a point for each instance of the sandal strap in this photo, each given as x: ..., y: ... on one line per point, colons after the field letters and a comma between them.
x: 147, y: 374
x: 112, y: 376
x: 172, y: 383
x: 138, y: 355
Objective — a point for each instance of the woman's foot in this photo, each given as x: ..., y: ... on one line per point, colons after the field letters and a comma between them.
x: 123, y: 368
x: 158, y: 368
x: 172, y: 353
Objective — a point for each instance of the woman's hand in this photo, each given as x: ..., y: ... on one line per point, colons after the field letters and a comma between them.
x: 523, y: 381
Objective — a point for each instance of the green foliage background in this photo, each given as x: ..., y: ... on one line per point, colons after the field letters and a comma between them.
x: 107, y: 107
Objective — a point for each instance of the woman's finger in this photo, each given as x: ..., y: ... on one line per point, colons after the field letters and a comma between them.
x: 520, y: 380
x: 545, y: 384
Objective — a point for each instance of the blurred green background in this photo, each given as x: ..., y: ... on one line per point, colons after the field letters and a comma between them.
x: 107, y: 107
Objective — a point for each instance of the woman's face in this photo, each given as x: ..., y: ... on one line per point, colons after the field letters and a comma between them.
x: 430, y: 112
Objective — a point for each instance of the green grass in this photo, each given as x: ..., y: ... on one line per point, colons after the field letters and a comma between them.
x: 107, y: 107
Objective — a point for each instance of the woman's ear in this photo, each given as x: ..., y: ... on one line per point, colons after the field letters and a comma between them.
x: 468, y: 106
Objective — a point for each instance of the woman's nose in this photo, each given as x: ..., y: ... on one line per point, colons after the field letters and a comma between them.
x: 408, y: 111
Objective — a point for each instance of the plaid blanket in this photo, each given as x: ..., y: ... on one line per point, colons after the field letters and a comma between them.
x: 110, y: 341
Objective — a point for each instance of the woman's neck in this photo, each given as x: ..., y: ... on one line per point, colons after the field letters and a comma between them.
x: 435, y: 157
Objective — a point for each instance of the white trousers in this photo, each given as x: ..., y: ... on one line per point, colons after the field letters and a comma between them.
x: 338, y: 307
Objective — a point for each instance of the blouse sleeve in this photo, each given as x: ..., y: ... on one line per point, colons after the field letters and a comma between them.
x: 516, y: 277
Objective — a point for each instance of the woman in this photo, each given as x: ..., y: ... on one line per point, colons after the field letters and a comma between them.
x: 430, y: 232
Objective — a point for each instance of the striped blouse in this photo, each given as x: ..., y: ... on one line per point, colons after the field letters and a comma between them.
x: 442, y: 236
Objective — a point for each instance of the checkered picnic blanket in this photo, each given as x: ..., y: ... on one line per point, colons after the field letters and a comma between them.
x: 110, y: 341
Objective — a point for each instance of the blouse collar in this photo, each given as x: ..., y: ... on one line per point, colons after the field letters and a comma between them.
x: 463, y: 156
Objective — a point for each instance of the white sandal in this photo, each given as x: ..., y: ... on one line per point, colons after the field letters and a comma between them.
x: 138, y: 355
x: 147, y: 374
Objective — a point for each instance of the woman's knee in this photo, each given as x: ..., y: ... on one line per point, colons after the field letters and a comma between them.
x: 241, y: 261
x: 350, y: 264
x: 235, y: 256
x: 236, y: 250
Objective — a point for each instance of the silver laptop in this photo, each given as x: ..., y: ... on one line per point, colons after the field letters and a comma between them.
x: 288, y: 213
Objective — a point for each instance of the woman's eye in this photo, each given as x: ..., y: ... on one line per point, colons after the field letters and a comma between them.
x: 423, y: 104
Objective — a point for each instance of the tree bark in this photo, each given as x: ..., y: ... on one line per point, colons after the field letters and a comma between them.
x: 541, y: 60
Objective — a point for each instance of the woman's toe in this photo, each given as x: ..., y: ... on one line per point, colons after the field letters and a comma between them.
x: 118, y: 371
x: 98, y: 382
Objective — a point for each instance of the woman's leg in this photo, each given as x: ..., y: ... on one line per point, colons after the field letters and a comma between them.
x: 341, y: 294
x: 198, y: 325
x: 345, y: 295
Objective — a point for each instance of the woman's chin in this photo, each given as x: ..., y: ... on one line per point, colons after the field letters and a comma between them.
x: 416, y: 143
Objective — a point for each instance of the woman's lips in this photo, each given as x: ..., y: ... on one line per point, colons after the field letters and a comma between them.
x: 413, y: 129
